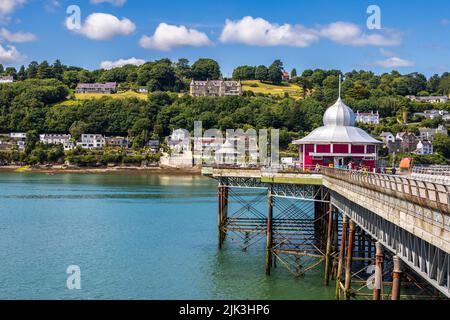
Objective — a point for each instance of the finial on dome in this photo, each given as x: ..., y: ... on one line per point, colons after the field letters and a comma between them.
x: 340, y: 79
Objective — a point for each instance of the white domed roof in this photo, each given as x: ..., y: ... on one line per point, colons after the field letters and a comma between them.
x: 339, y: 127
x: 339, y: 114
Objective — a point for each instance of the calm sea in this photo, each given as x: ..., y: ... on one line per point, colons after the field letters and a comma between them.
x: 134, y: 236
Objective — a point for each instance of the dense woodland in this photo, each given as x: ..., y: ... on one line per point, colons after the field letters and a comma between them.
x: 41, y: 100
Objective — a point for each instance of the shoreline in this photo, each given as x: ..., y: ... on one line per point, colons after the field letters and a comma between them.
x: 103, y: 170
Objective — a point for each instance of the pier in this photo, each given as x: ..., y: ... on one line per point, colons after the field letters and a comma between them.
x: 376, y: 236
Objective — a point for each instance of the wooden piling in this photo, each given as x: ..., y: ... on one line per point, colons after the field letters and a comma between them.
x: 341, y: 257
x: 396, y: 278
x: 378, y: 286
x: 348, y: 266
x: 329, y: 245
x: 269, y: 231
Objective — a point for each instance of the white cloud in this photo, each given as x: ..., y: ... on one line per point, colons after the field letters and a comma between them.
x: 167, y: 37
x: 10, y: 55
x: 108, y: 65
x: 52, y: 5
x: 9, y: 6
x: 102, y: 26
x: 18, y: 36
x: 347, y: 33
x: 394, y: 62
x: 386, y: 53
x: 260, y: 32
x: 117, y: 3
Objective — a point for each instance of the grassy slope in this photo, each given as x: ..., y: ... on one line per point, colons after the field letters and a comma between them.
x: 266, y: 88
x: 122, y: 95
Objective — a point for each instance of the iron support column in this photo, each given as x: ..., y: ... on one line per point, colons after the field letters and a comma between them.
x: 348, y: 267
x: 269, y: 240
x: 329, y: 245
x: 396, y: 278
x: 378, y: 286
x: 341, y: 257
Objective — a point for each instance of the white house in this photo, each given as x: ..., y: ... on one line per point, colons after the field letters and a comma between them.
x: 69, y: 145
x: 92, y: 141
x: 424, y: 147
x: 55, y: 138
x: 18, y: 135
x: 368, y: 117
x: 6, y: 79
x: 387, y: 137
x: 20, y: 139
x: 142, y: 90
x: 429, y: 99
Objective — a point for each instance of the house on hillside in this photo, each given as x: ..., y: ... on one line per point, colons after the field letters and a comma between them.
x: 429, y: 133
x: 118, y: 142
x: 424, y: 147
x: 19, y: 138
x: 434, y: 114
x: 6, y: 79
x: 54, y: 138
x: 368, y: 117
x: 99, y: 88
x: 92, y: 141
x: 429, y: 99
x: 285, y: 76
x: 387, y: 137
x: 215, y: 88
x: 408, y: 142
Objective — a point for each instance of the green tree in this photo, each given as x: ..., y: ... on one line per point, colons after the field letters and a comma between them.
x: 57, y: 70
x: 32, y: 70
x: 22, y: 74
x: 244, y: 73
x: 276, y: 72
x: 204, y: 69
x: 44, y: 71
x: 294, y: 73
x: 182, y: 69
x: 77, y: 129
x: 262, y: 73
x: 441, y: 144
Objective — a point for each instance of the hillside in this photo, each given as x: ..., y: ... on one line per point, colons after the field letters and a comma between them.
x: 256, y: 86
x: 122, y: 95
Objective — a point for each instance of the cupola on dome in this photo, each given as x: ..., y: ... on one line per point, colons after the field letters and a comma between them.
x: 339, y: 114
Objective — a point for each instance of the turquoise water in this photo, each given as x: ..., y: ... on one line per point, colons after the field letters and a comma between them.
x: 133, y: 236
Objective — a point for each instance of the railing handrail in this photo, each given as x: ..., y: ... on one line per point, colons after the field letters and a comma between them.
x: 429, y: 194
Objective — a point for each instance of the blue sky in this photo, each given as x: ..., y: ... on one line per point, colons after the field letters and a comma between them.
x: 414, y: 34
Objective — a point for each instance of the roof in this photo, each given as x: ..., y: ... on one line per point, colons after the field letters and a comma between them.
x: 339, y: 127
x: 228, y: 83
x: 109, y: 85
x: 386, y: 134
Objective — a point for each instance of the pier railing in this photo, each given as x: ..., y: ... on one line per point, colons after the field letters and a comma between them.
x: 429, y: 194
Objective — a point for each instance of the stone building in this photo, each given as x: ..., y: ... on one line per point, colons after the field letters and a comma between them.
x: 99, y: 88
x: 215, y: 88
